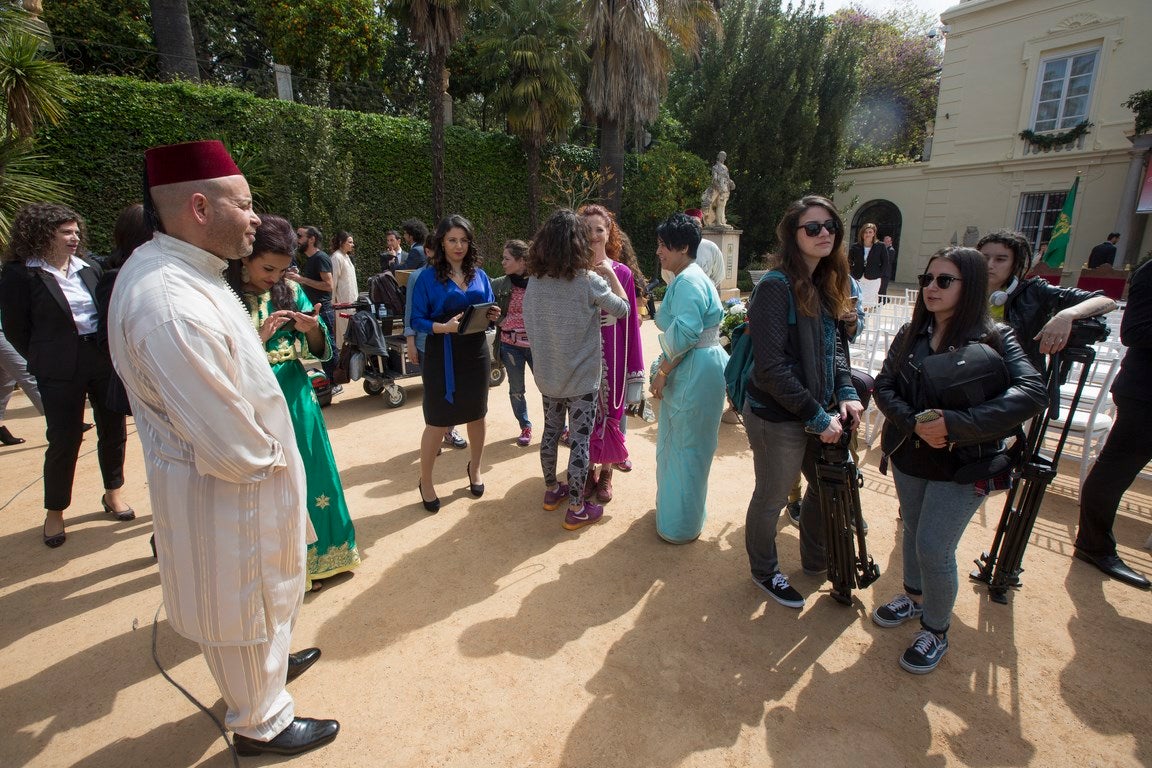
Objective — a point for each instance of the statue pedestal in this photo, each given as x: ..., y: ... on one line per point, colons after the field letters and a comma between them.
x: 728, y: 239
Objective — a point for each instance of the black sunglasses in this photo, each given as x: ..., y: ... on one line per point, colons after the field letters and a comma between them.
x: 944, y: 281
x: 812, y: 228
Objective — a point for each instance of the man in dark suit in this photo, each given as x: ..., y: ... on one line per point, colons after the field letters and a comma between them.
x: 47, y: 297
x: 1105, y: 253
x: 1129, y: 445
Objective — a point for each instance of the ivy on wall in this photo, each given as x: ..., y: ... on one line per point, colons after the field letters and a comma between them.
x: 333, y: 169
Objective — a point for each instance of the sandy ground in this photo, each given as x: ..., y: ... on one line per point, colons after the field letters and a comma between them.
x: 487, y: 635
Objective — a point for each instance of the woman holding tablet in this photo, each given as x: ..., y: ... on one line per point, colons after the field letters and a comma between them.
x: 455, y: 365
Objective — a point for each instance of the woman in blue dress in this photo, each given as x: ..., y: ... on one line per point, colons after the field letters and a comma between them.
x: 455, y: 366
x: 688, y: 379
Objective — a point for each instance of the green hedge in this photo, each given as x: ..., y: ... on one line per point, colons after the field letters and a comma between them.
x: 331, y: 168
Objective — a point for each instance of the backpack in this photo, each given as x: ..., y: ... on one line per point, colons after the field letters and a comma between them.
x: 384, y: 291
x: 740, y: 358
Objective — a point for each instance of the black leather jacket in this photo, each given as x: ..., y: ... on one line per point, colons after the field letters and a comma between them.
x: 977, y: 432
x: 1034, y: 302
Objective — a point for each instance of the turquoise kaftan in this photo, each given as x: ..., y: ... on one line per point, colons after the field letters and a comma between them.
x: 692, y: 403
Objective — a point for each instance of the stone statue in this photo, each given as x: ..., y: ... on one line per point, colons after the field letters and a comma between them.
x: 715, y: 197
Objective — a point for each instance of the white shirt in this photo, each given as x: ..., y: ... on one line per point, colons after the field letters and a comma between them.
x: 224, y: 475
x: 79, y: 300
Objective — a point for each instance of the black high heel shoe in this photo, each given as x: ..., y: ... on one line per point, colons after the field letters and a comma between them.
x: 476, y: 489
x: 430, y: 506
x: 123, y: 515
x: 7, y: 438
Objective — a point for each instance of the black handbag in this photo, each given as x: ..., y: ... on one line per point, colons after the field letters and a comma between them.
x: 964, y: 377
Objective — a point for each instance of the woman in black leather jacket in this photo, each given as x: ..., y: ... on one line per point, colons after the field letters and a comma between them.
x: 1039, y: 312
x: 927, y: 445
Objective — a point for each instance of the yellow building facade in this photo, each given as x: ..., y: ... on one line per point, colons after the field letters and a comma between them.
x: 1010, y: 66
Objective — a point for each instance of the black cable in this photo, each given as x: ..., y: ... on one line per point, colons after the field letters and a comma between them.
x: 187, y: 695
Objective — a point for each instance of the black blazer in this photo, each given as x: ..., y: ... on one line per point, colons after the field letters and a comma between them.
x: 877, y: 261
x: 37, y: 318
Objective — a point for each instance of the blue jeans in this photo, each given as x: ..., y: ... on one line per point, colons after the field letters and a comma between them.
x: 935, y: 513
x: 779, y: 451
x: 514, y: 359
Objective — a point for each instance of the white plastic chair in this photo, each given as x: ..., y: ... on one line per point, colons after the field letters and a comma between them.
x: 1091, y: 421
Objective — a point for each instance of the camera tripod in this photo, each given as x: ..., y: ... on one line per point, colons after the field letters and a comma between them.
x: 1000, y: 567
x: 838, y: 488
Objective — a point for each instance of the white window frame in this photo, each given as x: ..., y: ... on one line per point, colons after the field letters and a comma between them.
x: 1038, y: 235
x: 1039, y: 83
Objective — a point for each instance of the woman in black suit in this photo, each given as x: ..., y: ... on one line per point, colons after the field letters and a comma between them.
x: 47, y: 301
x: 868, y: 261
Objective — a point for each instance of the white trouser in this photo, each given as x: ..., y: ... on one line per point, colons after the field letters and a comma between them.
x: 251, y: 679
x: 12, y: 372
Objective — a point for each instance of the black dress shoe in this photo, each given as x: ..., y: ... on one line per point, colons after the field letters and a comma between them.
x: 298, y: 663
x: 1116, y: 568
x: 476, y: 489
x: 301, y: 735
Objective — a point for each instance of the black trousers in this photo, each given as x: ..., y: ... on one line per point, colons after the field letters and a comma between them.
x: 1127, y: 450
x: 64, y: 415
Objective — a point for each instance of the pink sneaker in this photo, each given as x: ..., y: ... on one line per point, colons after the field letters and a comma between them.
x: 624, y: 466
x: 587, y: 515
x: 553, y: 499
x: 525, y: 436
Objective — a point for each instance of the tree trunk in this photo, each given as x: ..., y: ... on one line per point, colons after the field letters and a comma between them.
x: 437, y: 76
x: 611, y: 164
x: 173, y: 31
x: 533, y: 150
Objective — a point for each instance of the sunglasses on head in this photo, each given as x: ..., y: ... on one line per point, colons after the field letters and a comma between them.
x: 944, y: 281
x: 812, y: 228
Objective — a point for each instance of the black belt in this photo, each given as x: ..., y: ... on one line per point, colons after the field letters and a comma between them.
x: 87, y: 337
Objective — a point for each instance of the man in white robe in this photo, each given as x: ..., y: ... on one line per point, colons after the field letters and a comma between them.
x: 226, y: 481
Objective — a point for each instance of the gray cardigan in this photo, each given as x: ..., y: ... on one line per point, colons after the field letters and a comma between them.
x: 562, y: 319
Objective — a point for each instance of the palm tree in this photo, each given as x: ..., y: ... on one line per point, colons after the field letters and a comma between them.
x: 436, y: 26
x: 34, y: 92
x: 173, y: 30
x: 628, y: 44
x: 34, y: 88
x: 536, y: 43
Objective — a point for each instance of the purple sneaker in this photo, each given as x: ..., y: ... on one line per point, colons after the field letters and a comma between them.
x: 587, y: 515
x: 553, y: 499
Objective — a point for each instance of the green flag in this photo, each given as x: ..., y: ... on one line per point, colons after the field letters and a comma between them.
x: 1058, y: 245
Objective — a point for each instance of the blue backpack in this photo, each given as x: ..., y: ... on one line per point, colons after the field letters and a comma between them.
x: 740, y: 357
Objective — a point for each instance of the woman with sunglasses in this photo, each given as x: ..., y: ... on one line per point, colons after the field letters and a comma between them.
x: 799, y: 388
x: 927, y: 445
x: 1039, y: 312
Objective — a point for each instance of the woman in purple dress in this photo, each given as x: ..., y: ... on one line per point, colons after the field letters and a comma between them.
x: 623, y: 358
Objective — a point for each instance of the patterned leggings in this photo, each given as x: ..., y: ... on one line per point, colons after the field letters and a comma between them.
x: 581, y: 412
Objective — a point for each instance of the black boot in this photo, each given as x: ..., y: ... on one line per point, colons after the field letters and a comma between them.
x: 7, y: 438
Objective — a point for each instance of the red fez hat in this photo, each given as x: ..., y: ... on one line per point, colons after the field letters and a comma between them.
x: 695, y: 213
x: 193, y: 161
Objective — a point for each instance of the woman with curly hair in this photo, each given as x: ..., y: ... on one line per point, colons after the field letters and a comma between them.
x: 562, y: 307
x: 623, y: 356
x: 800, y: 388
x: 286, y: 321
x: 47, y: 299
x: 455, y: 366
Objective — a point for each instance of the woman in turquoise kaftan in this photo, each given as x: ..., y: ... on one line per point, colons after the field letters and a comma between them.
x: 286, y: 322
x: 688, y: 379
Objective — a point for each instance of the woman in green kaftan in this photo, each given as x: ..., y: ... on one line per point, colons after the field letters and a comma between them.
x: 286, y: 321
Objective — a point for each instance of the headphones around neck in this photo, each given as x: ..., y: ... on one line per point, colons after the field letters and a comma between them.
x: 1000, y: 298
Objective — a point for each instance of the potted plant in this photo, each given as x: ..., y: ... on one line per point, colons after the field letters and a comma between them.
x: 1141, y: 104
x: 757, y: 268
